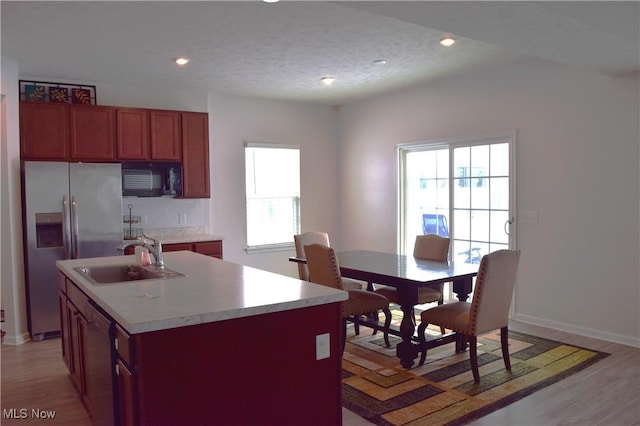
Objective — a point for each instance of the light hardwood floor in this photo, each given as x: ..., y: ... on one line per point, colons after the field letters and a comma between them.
x: 607, y: 393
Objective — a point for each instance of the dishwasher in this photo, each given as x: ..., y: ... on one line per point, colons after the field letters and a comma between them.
x: 99, y: 366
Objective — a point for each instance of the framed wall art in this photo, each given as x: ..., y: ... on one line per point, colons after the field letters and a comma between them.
x: 47, y: 91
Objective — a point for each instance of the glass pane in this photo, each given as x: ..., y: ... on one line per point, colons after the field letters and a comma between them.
x: 479, y: 193
x: 462, y: 224
x: 480, y: 160
x: 271, y: 220
x: 478, y: 249
x: 498, y: 220
x: 500, y: 159
x: 460, y: 250
x: 499, y: 193
x: 426, y: 190
x: 480, y: 225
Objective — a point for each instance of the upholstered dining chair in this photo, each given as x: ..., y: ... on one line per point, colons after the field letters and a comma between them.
x: 316, y: 237
x: 488, y: 310
x: 427, y: 247
x: 324, y: 270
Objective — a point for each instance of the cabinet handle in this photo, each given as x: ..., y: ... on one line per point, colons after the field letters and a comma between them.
x: 117, y: 370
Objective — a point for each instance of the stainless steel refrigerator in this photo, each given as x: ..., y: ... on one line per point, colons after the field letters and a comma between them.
x: 70, y: 211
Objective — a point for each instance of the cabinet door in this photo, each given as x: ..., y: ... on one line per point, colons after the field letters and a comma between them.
x: 177, y: 247
x: 126, y: 402
x: 44, y: 131
x: 132, y: 133
x: 64, y: 331
x: 74, y: 346
x: 92, y: 130
x: 195, y: 155
x: 166, y: 138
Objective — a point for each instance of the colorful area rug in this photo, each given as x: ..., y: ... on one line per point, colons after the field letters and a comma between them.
x: 442, y: 391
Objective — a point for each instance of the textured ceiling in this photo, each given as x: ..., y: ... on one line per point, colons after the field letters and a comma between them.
x: 282, y: 50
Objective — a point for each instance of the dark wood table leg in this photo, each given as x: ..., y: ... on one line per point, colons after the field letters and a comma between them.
x: 406, y: 350
x: 462, y: 287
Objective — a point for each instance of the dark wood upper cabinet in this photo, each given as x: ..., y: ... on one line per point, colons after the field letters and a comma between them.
x: 195, y: 155
x: 92, y: 133
x: 132, y: 133
x: 144, y: 134
x: 44, y: 131
x: 166, y: 138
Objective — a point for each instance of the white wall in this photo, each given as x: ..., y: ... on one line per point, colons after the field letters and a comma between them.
x: 233, y: 121
x: 13, y: 299
x: 577, y: 165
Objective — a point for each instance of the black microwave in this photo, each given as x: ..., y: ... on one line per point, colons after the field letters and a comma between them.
x: 151, y: 179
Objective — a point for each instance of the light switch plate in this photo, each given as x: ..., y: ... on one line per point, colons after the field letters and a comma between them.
x: 530, y: 217
x: 322, y: 346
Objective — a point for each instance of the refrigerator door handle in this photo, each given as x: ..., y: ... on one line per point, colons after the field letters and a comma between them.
x: 66, y: 227
x: 74, y: 224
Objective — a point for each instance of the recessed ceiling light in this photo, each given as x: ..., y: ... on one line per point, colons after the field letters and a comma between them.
x: 271, y: 1
x: 447, y: 41
x: 181, y: 60
x: 327, y: 80
x: 380, y: 62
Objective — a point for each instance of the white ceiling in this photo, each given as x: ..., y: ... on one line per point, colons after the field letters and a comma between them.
x: 282, y: 50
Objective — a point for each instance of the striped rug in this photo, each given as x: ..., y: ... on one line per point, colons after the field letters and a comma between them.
x: 442, y: 391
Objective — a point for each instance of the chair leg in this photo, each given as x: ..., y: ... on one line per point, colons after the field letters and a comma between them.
x: 422, y: 342
x: 504, y: 341
x: 356, y: 324
x: 387, y: 324
x: 473, y: 357
x: 374, y: 316
x: 441, y: 302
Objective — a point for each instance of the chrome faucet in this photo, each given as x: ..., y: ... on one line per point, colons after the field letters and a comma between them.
x: 155, y: 248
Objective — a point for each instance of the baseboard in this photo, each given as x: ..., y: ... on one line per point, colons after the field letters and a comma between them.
x: 581, y: 331
x: 14, y: 340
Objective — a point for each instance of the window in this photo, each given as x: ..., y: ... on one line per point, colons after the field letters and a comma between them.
x: 463, y: 189
x: 272, y: 174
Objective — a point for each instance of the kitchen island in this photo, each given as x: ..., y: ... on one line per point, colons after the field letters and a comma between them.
x: 225, y: 344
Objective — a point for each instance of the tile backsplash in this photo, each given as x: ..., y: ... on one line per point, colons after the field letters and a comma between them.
x: 165, y: 212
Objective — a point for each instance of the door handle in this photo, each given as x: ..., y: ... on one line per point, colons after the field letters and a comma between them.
x: 509, y: 222
x: 66, y: 228
x: 74, y: 224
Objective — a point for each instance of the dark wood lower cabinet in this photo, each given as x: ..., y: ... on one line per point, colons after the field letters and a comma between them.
x: 74, y: 334
x: 260, y: 369
x: 246, y: 371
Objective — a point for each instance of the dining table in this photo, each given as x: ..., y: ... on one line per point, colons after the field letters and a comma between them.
x: 407, y: 274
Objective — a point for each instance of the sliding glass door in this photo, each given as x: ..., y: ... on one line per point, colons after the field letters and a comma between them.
x: 462, y: 189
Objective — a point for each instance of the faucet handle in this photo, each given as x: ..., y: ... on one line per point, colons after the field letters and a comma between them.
x: 145, y: 237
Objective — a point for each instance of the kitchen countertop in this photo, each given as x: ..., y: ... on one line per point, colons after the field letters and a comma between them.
x: 213, y: 290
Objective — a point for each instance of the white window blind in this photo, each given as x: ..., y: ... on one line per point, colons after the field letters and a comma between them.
x: 272, y: 173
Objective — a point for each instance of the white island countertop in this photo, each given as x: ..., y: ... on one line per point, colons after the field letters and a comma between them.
x: 213, y: 290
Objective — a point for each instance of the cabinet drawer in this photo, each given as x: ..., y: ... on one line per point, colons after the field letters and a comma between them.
x: 62, y: 283
x: 123, y: 345
x: 210, y: 248
x: 77, y: 297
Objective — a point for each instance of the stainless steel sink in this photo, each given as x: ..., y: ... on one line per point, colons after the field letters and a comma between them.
x: 122, y: 273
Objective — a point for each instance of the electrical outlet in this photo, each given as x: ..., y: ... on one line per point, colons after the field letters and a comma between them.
x: 322, y: 346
